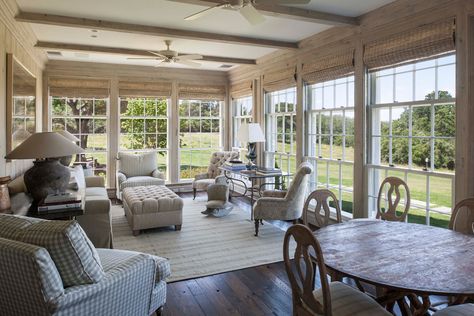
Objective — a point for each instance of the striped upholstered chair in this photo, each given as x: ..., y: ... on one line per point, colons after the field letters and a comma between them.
x: 51, y: 268
x: 134, y: 170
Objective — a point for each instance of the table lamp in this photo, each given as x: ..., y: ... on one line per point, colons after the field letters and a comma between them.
x: 66, y: 160
x: 47, y: 176
x: 251, y: 133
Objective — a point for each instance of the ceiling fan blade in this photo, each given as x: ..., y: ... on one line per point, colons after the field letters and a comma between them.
x: 157, y: 54
x: 188, y: 57
x: 145, y: 58
x: 187, y: 63
x: 277, y: 2
x: 205, y: 12
x: 251, y: 14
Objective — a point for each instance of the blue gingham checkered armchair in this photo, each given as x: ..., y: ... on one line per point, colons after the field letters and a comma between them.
x: 133, y: 284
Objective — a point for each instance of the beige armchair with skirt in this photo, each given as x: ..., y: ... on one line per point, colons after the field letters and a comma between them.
x: 283, y: 205
x: 203, y: 180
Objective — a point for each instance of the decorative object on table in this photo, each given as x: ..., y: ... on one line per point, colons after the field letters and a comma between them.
x: 20, y: 102
x: 282, y: 205
x: 389, y: 212
x: 47, y: 175
x: 218, y: 200
x: 66, y: 160
x: 235, y: 165
x: 321, y: 197
x: 137, y: 169
x: 251, y: 133
x: 60, y: 202
x: 218, y: 159
x: 268, y: 171
x: 4, y: 194
x: 335, y: 298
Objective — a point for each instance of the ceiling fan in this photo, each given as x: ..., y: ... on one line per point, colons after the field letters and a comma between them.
x: 172, y: 56
x: 246, y: 8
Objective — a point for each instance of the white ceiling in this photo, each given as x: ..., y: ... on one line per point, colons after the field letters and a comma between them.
x: 170, y: 14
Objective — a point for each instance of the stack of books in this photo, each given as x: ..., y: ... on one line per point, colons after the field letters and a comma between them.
x: 60, y: 202
x: 268, y: 171
x: 235, y: 165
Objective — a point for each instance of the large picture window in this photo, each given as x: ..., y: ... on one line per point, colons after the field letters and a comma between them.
x: 330, y: 137
x: 144, y: 127
x: 200, y: 132
x: 280, y: 129
x: 412, y: 134
x: 85, y: 118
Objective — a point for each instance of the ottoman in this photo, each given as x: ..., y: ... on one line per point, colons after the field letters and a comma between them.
x: 152, y: 206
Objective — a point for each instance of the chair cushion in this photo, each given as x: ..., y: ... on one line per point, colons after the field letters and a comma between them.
x: 216, y: 204
x: 203, y: 183
x: 96, y: 191
x: 141, y: 181
x: 346, y: 300
x: 73, y: 253
x: 457, y: 310
x: 10, y: 225
x: 132, y: 165
x: 17, y: 185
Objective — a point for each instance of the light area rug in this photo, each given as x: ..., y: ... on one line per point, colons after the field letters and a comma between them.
x: 205, y: 245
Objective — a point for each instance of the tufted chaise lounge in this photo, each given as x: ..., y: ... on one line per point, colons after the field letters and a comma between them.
x: 152, y: 206
x: 203, y: 180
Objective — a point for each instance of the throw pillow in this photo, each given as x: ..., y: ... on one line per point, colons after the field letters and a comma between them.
x: 11, y: 225
x: 17, y: 185
x: 133, y: 165
x: 73, y: 253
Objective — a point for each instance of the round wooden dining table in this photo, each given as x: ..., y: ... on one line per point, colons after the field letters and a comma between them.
x: 404, y: 257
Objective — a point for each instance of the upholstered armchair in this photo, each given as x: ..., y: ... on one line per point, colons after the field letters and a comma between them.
x: 203, y: 180
x: 282, y: 205
x: 217, y: 200
x: 135, y: 170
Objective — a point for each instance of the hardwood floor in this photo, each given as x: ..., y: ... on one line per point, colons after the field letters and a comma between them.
x: 262, y: 290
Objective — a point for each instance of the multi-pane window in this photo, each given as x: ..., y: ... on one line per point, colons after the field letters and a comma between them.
x: 412, y: 134
x: 280, y: 126
x: 330, y: 137
x: 144, y: 127
x: 242, y: 114
x: 24, y: 118
x: 200, y: 135
x: 85, y: 118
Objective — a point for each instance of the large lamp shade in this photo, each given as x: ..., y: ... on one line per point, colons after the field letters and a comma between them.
x: 69, y: 136
x: 250, y: 133
x: 47, y: 176
x: 44, y: 145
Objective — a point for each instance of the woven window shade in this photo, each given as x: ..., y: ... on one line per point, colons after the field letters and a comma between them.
x: 279, y: 79
x: 239, y: 90
x: 422, y: 42
x: 78, y: 88
x: 201, y: 92
x: 328, y: 68
x: 133, y: 89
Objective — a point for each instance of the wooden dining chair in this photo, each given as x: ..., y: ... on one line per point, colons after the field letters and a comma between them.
x: 462, y: 217
x: 321, y: 197
x: 390, y: 214
x: 333, y: 298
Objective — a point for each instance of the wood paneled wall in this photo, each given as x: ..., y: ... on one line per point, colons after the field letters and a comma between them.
x: 18, y: 39
x: 116, y: 73
x: 399, y: 16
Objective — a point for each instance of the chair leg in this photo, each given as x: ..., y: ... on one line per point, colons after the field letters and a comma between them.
x: 177, y: 227
x: 194, y: 194
x: 159, y: 311
x: 136, y: 232
x: 257, y: 223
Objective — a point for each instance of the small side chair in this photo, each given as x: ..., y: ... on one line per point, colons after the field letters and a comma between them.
x: 333, y: 298
x: 390, y: 214
x: 462, y: 217
x: 321, y: 197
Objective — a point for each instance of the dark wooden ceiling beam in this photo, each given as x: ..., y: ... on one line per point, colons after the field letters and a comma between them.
x: 132, y: 52
x: 294, y: 13
x: 68, y: 21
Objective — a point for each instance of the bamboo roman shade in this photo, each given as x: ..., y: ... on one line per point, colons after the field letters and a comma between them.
x: 240, y: 90
x: 422, y: 42
x: 201, y: 92
x: 328, y: 67
x: 78, y: 87
x: 279, y: 79
x: 135, y: 89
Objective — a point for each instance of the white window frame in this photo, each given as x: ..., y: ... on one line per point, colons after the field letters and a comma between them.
x: 375, y: 167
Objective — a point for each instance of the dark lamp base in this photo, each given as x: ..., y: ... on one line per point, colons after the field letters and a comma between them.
x: 46, y: 177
